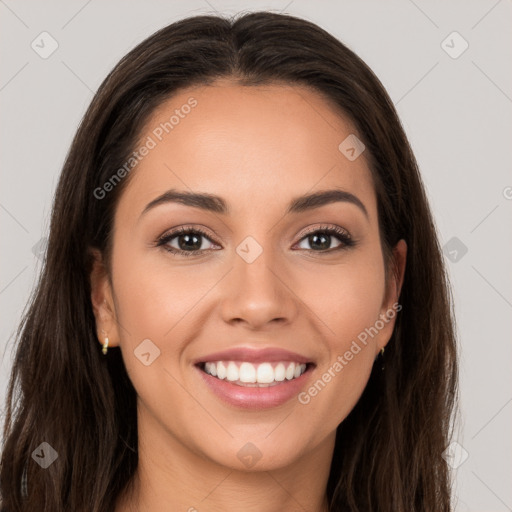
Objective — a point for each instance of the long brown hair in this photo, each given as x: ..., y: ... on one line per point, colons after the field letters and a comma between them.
x: 388, y: 451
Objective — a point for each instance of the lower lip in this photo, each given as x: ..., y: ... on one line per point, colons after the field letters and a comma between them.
x: 256, y: 397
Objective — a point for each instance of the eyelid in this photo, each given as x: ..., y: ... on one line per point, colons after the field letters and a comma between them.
x: 188, y: 228
x: 323, y: 227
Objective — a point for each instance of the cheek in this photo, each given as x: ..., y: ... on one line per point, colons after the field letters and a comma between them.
x: 347, y: 300
x: 153, y: 300
x: 166, y: 302
x: 153, y: 295
x: 153, y: 304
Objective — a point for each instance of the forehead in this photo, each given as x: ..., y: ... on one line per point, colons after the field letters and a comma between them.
x: 253, y: 145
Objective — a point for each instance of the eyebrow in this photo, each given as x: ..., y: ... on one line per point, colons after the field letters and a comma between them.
x: 216, y: 204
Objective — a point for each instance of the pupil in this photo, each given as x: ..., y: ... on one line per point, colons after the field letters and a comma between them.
x: 192, y: 241
x: 187, y: 238
x: 313, y: 239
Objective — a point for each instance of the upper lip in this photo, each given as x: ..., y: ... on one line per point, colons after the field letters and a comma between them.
x: 253, y: 355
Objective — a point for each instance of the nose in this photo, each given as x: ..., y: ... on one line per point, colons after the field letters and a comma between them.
x: 258, y: 294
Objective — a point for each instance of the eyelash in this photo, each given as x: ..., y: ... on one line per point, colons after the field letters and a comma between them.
x: 339, y: 233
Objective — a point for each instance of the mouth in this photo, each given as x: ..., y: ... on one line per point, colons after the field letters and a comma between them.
x: 247, y: 374
x: 255, y: 379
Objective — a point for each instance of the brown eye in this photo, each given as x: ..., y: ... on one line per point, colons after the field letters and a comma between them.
x: 320, y: 240
x: 187, y: 241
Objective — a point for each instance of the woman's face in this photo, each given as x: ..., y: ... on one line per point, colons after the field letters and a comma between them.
x: 260, y: 291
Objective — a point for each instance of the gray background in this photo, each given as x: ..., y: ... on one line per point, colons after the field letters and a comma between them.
x: 456, y: 112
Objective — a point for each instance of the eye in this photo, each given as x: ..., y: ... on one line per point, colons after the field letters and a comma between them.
x: 188, y: 240
x: 320, y: 239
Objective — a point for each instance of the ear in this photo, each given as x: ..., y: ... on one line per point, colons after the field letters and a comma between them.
x: 102, y: 301
x: 390, y: 305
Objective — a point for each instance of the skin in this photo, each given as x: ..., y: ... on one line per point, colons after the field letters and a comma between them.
x: 257, y: 147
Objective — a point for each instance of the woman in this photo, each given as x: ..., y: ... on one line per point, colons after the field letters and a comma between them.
x: 243, y: 304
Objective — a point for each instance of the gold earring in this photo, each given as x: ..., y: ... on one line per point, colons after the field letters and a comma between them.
x: 105, y: 346
x: 382, y: 351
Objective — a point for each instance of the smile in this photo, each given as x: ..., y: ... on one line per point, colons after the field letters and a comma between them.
x: 254, y: 378
x: 265, y: 374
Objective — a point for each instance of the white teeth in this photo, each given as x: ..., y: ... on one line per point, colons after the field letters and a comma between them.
x: 280, y: 372
x: 211, y: 368
x: 248, y: 373
x: 232, y: 372
x: 265, y: 373
x: 221, y: 370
